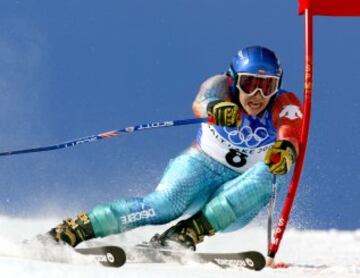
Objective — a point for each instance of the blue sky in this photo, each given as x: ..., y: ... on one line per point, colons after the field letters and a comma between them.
x: 75, y: 68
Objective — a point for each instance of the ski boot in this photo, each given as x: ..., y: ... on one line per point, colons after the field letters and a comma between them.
x: 187, y: 233
x: 73, y: 231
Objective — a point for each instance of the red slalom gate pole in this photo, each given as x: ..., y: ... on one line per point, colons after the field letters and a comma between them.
x: 285, y: 214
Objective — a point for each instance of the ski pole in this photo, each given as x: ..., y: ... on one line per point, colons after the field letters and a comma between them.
x: 271, y: 208
x: 108, y: 134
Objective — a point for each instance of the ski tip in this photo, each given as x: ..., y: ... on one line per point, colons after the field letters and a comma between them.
x: 255, y: 260
x: 252, y: 260
x: 115, y: 256
x: 111, y: 256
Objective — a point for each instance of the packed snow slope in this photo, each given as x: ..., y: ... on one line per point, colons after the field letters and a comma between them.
x: 329, y: 253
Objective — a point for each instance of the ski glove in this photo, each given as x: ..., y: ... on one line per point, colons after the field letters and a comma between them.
x: 223, y: 113
x: 73, y: 231
x: 280, y: 157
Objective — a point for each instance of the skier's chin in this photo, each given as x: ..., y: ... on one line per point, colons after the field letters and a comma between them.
x: 254, y: 110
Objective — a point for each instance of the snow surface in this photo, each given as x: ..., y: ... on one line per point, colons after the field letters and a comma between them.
x: 328, y: 253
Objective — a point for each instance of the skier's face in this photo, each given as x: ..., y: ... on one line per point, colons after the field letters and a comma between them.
x: 253, y: 104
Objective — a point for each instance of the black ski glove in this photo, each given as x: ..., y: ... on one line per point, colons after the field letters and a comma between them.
x: 223, y: 113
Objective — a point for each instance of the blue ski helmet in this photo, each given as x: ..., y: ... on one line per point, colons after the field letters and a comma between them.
x: 255, y: 60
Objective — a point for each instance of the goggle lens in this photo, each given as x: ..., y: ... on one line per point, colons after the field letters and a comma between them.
x: 250, y: 83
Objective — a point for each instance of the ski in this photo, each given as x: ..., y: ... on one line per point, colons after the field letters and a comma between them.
x: 111, y: 256
x: 114, y: 256
x: 145, y: 253
x: 249, y: 259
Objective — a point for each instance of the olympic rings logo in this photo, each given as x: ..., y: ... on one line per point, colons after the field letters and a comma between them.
x: 245, y: 135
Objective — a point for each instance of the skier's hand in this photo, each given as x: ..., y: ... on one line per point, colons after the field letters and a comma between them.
x: 223, y: 113
x: 280, y: 157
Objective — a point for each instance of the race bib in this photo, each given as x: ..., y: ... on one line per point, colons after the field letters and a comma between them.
x: 239, y: 148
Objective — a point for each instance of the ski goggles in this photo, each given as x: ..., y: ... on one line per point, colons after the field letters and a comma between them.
x: 251, y: 83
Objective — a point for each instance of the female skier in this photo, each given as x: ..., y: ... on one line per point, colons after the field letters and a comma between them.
x: 224, y: 179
